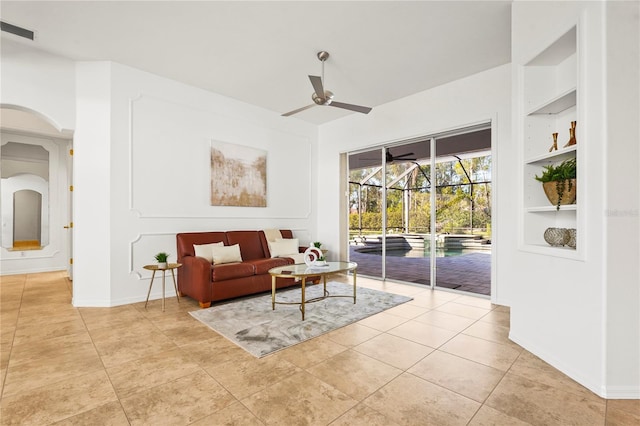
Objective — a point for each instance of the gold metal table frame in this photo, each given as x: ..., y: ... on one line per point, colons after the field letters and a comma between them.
x: 302, y: 271
x: 154, y: 268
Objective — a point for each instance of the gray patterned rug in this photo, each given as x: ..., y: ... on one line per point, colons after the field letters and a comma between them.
x: 254, y: 326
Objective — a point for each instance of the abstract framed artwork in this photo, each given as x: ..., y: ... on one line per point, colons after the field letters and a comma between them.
x: 238, y: 175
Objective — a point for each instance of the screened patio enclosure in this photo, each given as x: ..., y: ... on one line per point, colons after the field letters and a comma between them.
x: 409, y: 211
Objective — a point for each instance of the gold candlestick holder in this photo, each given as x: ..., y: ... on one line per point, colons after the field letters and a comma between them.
x: 572, y: 135
x: 555, y: 142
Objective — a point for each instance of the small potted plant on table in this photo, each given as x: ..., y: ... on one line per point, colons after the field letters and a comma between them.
x: 322, y: 260
x: 161, y: 258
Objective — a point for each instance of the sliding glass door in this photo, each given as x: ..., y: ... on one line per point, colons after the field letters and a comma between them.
x: 435, y: 229
x: 463, y: 222
x: 408, y: 217
x: 365, y: 217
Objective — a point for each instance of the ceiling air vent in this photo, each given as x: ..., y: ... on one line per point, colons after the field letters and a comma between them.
x: 21, y: 32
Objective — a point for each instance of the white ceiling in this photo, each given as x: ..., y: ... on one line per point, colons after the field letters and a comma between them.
x: 261, y: 52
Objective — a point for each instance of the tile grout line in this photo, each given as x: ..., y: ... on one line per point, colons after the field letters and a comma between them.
x: 104, y: 367
x: 15, y: 329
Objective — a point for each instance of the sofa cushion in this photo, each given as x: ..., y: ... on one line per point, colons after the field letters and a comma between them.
x: 262, y: 266
x: 249, y: 241
x: 205, y: 250
x: 229, y: 271
x: 283, y: 247
x: 226, y: 254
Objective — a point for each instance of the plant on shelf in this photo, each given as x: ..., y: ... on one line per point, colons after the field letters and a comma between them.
x: 559, y: 182
x: 161, y: 258
x: 317, y: 244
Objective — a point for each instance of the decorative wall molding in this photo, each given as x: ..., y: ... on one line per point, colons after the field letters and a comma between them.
x: 144, y: 236
x: 130, y: 151
x: 137, y: 240
x: 172, y: 121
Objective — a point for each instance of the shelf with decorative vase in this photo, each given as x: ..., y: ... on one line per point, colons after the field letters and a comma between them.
x: 550, y: 100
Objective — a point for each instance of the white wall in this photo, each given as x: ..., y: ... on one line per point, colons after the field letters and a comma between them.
x: 141, y: 168
x: 142, y: 161
x: 623, y: 201
x: 40, y: 82
x: 581, y: 316
x: 92, y: 222
x: 485, y: 96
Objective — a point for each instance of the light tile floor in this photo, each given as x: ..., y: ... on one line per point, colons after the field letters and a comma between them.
x: 441, y: 359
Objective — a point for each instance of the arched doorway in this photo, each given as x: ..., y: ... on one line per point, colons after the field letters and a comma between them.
x: 35, y: 189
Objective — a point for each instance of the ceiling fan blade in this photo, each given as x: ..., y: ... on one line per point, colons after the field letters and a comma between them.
x: 404, y: 155
x: 316, y: 82
x: 357, y: 108
x: 295, y: 111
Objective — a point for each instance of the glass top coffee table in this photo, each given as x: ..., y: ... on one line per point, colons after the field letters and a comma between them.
x: 302, y: 271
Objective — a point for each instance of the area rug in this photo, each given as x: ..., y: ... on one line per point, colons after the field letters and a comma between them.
x: 254, y: 326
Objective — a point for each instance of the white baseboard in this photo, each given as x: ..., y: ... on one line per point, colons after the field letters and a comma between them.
x: 550, y: 359
x: 621, y: 392
x: 600, y: 389
x: 31, y: 271
x: 101, y: 303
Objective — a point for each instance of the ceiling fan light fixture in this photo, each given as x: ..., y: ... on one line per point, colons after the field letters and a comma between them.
x: 326, y: 100
x: 317, y: 99
x: 323, y: 97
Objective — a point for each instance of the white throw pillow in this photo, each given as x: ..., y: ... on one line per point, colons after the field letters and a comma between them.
x: 284, y: 247
x: 204, y: 250
x: 226, y: 254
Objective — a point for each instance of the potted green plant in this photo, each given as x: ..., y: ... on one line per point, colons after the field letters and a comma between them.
x: 559, y: 182
x: 161, y: 258
x: 321, y: 260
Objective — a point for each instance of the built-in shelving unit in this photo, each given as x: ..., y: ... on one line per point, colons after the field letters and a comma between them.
x: 550, y: 103
x: 553, y: 156
x: 558, y: 104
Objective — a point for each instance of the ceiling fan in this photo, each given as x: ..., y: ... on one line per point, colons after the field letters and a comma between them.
x: 402, y: 157
x: 324, y: 97
x: 390, y: 158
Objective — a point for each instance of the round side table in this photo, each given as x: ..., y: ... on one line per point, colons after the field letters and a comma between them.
x: 169, y: 267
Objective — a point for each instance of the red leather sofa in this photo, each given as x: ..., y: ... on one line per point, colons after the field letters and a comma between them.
x: 201, y: 280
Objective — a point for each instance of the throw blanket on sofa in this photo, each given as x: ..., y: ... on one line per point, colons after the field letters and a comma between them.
x: 272, y: 234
